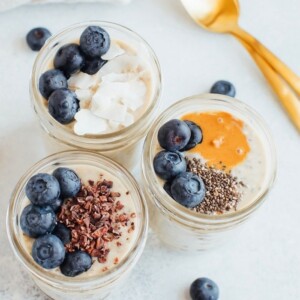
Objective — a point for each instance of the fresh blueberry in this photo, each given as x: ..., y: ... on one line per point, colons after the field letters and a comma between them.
x: 63, y: 105
x: 48, y: 251
x: 56, y: 204
x: 168, y: 165
x: 167, y: 188
x: 69, y: 59
x: 42, y: 189
x: 204, y: 289
x: 224, y: 88
x: 94, y: 41
x: 196, y: 136
x: 76, y: 263
x: 69, y: 182
x: 188, y: 189
x: 93, y: 65
x: 50, y: 81
x: 174, y: 135
x: 37, y: 37
x: 36, y: 221
x: 62, y: 232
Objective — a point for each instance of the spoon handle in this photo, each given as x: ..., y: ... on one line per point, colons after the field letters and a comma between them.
x: 287, y: 96
x: 268, y: 56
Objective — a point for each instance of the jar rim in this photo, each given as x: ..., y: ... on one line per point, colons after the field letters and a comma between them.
x: 73, y: 282
x: 169, y: 205
x: 59, y: 131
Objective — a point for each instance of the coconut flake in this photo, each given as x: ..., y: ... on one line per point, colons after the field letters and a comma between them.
x: 122, y: 64
x: 84, y: 97
x: 129, y: 119
x: 83, y: 81
x: 88, y: 123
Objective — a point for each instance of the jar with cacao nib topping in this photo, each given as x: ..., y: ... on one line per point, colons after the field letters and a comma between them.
x: 208, y: 163
x: 104, y: 98
x: 78, y: 222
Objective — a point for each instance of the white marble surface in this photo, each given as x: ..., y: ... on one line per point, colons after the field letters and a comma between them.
x: 263, y: 260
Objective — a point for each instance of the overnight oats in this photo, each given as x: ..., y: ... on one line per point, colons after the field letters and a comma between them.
x: 96, y: 86
x: 78, y: 223
x: 208, y: 163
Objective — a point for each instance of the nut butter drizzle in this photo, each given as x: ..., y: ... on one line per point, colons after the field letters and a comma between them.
x: 224, y: 142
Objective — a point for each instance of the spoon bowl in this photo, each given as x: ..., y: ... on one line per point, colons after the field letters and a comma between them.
x: 214, y: 15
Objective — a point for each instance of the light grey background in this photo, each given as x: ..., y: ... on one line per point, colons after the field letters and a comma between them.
x: 262, y: 261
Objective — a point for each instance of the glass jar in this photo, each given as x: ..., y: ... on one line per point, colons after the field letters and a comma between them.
x: 123, y: 146
x: 53, y: 283
x: 182, y: 228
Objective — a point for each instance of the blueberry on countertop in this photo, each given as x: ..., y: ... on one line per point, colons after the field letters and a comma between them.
x: 69, y: 59
x: 63, y: 105
x: 93, y: 65
x: 196, y: 136
x: 69, y: 182
x: 168, y: 165
x: 48, y: 251
x: 224, y: 88
x: 204, y: 289
x: 50, y: 81
x: 188, y: 189
x: 62, y: 232
x: 76, y: 263
x: 36, y: 221
x: 56, y: 204
x: 37, y: 37
x: 42, y: 189
x: 174, y: 135
x: 94, y: 41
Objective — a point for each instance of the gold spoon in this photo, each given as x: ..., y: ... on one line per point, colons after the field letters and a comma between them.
x: 222, y: 16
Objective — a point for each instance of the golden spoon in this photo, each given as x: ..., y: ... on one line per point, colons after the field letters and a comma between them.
x: 222, y: 16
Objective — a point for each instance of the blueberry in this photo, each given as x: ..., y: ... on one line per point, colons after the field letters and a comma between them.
x: 69, y: 59
x: 36, y: 221
x: 37, y: 37
x: 50, y: 81
x: 224, y: 88
x: 69, y: 182
x: 188, y: 189
x: 48, y: 251
x: 196, y: 136
x: 204, y: 289
x: 94, y: 41
x: 167, y: 188
x: 63, y: 105
x: 62, y: 232
x: 42, y: 189
x: 76, y: 263
x: 174, y: 135
x: 168, y: 165
x: 93, y: 65
x: 56, y: 204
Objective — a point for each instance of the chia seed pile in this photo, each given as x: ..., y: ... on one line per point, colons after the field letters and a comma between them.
x: 222, y: 188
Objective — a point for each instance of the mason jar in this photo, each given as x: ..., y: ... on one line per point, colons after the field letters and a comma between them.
x: 123, y: 146
x: 180, y: 227
x: 52, y: 282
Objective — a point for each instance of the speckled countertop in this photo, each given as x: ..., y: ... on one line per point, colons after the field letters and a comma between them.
x: 262, y: 261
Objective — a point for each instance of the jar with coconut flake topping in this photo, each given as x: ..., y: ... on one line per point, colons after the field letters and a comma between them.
x: 116, y: 105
